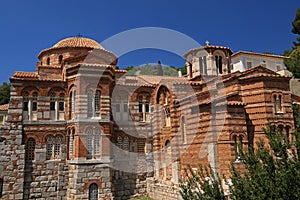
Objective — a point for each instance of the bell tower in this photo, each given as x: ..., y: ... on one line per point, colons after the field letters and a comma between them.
x: 208, y: 60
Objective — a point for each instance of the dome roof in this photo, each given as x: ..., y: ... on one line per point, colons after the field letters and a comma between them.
x: 78, y: 42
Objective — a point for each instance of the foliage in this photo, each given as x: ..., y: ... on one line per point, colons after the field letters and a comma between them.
x: 154, y: 70
x: 203, y: 184
x: 296, y: 26
x: 296, y: 112
x: 4, y: 93
x: 271, y: 171
x: 293, y: 63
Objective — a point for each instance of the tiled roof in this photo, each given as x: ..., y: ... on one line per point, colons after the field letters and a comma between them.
x: 207, y: 47
x: 26, y: 75
x: 4, y: 107
x: 258, y: 54
x: 78, y: 42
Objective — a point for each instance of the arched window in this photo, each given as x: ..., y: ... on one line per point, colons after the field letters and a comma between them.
x: 93, y: 143
x: 126, y: 144
x: 71, y: 141
x: 49, y: 147
x: 93, y: 103
x: 97, y: 103
x: 277, y: 103
x: 167, y: 117
x: 238, y: 146
x: 53, y: 147
x: 89, y: 143
x: 30, y: 148
x: 48, y: 61
x: 90, y: 103
x: 57, y: 147
x: 25, y: 106
x: 120, y: 142
x: 34, y: 101
x: 97, y: 141
x: 93, y: 192
x: 60, y: 58
x: 73, y: 103
x: 219, y: 63
x: 183, y: 130
x: 144, y: 107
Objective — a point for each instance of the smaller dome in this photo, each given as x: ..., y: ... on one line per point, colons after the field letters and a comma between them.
x: 78, y: 42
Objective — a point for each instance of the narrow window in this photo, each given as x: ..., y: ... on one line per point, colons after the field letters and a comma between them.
x: 97, y: 103
x: 238, y: 142
x: 126, y: 144
x: 120, y: 142
x: 61, y: 102
x: 249, y: 64
x: 1, y: 186
x: 93, y: 192
x: 97, y: 142
x: 48, y: 61
x: 279, y: 102
x: 89, y: 143
x: 57, y: 146
x: 73, y: 103
x: 49, y: 147
x: 167, y: 117
x: 34, y: 101
x: 52, y: 101
x: 71, y: 144
x: 30, y: 148
x: 90, y: 103
x: 183, y: 130
x: 60, y: 58
x: 25, y: 101
x: 118, y: 108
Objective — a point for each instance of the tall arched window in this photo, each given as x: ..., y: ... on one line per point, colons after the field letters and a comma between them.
x: 25, y: 106
x: 238, y: 146
x: 57, y: 147
x: 219, y: 64
x: 126, y: 143
x: 93, y: 192
x: 49, y: 147
x: 93, y: 143
x: 120, y: 142
x: 71, y: 141
x: 73, y: 103
x: 90, y: 103
x: 144, y: 107
x: 97, y: 141
x: 97, y: 103
x: 93, y: 103
x: 277, y: 103
x: 29, y: 149
x: 53, y: 147
x: 183, y: 130
x: 48, y: 61
x: 89, y: 143
x: 60, y: 58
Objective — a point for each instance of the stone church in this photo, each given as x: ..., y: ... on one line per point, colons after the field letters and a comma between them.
x: 81, y: 128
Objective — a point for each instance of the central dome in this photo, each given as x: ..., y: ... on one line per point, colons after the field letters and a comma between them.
x: 78, y: 42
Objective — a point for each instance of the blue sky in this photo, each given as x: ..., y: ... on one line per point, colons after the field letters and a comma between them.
x: 27, y: 27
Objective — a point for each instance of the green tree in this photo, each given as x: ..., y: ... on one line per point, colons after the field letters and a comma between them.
x: 271, y: 171
x: 293, y: 62
x: 203, y: 184
x: 296, y: 26
x: 4, y: 93
x: 159, y: 69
